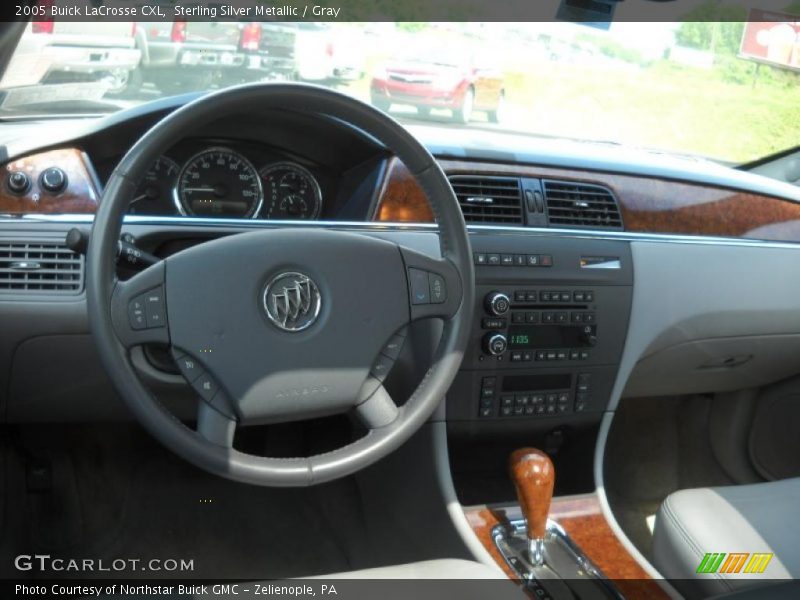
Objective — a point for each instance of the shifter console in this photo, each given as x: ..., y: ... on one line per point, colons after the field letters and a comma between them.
x: 536, y: 549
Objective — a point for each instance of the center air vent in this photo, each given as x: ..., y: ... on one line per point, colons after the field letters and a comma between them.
x: 489, y: 199
x: 581, y: 205
x: 39, y: 267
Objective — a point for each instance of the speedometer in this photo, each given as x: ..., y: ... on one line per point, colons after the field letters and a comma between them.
x: 219, y: 182
x: 292, y: 192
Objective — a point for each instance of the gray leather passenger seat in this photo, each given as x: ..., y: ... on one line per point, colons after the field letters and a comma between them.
x: 757, y: 518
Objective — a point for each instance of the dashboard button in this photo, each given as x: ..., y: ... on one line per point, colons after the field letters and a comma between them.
x: 546, y: 260
x: 53, y: 180
x: 493, y: 260
x: 18, y: 182
x: 480, y: 258
x: 533, y: 260
x: 507, y: 260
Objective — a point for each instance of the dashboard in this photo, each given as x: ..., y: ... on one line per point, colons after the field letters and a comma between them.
x: 570, y: 228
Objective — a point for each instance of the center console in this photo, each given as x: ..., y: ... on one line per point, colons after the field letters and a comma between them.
x: 548, y: 331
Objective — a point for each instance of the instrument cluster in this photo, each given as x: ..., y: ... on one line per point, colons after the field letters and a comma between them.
x: 219, y: 181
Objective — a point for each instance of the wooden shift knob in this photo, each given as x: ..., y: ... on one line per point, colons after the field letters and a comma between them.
x: 533, y: 475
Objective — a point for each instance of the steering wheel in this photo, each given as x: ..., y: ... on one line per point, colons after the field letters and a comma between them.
x: 282, y: 324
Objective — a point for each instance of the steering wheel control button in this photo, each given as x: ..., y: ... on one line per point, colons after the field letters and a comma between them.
x: 205, y: 386
x: 136, y: 313
x: 393, y: 347
x: 53, y: 180
x: 292, y: 301
x: 154, y: 307
x: 189, y: 367
x: 420, y: 286
x: 437, y: 288
x: 382, y: 367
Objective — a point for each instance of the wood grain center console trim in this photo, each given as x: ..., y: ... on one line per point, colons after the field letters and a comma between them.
x: 583, y: 520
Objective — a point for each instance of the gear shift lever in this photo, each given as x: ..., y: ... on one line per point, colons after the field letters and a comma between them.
x: 533, y: 475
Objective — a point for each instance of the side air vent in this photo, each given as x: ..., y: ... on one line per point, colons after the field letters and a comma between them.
x: 489, y: 199
x: 39, y: 267
x: 581, y: 205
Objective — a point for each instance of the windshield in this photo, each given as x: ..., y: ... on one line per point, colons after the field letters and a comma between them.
x: 726, y: 91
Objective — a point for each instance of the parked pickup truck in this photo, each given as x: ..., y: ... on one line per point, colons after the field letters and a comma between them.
x: 86, y: 51
x: 317, y: 52
x: 180, y: 56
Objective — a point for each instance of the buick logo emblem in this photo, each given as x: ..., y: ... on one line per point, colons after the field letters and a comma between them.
x: 292, y: 301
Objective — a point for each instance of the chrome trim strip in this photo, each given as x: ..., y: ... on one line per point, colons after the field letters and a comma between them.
x: 516, y: 528
x: 420, y: 227
x: 610, y: 263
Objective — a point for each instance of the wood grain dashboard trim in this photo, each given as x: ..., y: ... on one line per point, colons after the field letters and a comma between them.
x: 648, y: 205
x: 582, y: 519
x: 81, y: 195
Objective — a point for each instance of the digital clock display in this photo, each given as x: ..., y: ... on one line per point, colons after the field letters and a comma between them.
x: 539, y: 337
x: 520, y: 340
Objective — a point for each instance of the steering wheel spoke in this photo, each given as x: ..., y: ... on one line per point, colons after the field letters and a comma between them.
x: 434, y: 286
x: 379, y: 410
x: 139, y: 308
x: 215, y: 427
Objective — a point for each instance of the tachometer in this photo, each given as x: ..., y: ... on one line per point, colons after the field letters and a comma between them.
x: 219, y: 182
x: 154, y: 194
x: 292, y: 192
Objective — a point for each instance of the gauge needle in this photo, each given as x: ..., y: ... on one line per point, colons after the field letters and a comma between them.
x: 199, y: 189
x: 142, y: 197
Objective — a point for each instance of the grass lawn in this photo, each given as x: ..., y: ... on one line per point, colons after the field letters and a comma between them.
x: 662, y: 106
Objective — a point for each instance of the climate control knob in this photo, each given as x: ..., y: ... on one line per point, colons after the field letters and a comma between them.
x: 53, y: 180
x: 497, y: 303
x: 18, y: 182
x: 494, y: 343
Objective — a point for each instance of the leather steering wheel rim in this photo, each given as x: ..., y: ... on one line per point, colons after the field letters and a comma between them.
x: 102, y: 285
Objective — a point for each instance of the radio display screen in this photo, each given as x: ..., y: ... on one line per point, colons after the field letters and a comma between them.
x: 539, y: 337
